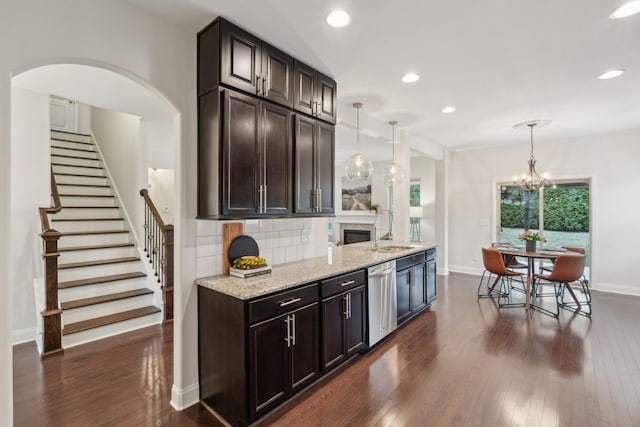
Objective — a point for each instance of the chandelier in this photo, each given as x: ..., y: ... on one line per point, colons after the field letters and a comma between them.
x: 393, y: 173
x: 358, y: 167
x: 532, y: 181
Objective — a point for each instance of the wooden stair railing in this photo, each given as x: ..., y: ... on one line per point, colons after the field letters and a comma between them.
x: 52, y: 314
x: 158, y: 244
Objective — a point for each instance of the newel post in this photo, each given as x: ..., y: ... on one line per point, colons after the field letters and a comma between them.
x: 52, y: 314
x: 167, y: 290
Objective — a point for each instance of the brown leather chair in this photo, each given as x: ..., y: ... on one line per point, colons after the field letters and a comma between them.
x: 584, y: 282
x: 510, y: 261
x: 567, y: 269
x: 494, y: 265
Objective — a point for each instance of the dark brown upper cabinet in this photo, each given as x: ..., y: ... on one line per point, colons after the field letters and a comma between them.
x: 234, y: 57
x: 314, y: 93
x: 314, y: 166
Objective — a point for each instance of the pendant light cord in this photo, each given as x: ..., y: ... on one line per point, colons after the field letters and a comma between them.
x: 358, y: 130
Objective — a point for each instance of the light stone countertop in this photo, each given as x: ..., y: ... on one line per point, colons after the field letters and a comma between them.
x: 340, y: 259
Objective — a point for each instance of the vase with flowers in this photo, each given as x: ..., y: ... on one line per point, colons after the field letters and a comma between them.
x: 531, y: 240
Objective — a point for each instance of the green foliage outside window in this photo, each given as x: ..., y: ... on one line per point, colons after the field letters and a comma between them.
x: 414, y: 195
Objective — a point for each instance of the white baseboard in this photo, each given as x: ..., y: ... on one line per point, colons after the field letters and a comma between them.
x: 23, y: 335
x: 466, y: 270
x: 183, y: 398
x: 615, y: 288
x: 442, y: 271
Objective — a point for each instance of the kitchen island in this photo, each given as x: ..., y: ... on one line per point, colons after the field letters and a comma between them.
x: 265, y: 338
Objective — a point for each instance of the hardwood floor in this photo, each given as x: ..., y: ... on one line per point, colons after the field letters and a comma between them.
x: 464, y: 363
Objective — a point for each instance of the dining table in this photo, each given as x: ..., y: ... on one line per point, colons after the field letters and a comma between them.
x: 541, y: 253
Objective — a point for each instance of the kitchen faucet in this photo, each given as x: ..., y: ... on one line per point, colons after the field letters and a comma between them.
x: 389, y: 235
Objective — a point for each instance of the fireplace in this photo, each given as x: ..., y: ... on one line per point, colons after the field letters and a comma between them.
x: 355, y: 236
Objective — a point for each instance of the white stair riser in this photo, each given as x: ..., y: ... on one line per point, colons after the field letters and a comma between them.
x: 70, y: 136
x: 94, y: 239
x: 98, y: 270
x: 99, y: 310
x: 87, y: 191
x: 88, y: 291
x: 75, y: 151
x: 70, y: 179
x: 110, y: 330
x: 72, y: 145
x: 87, y: 201
x: 70, y: 212
x: 78, y: 170
x: 75, y: 162
x: 67, y: 257
x: 87, y: 225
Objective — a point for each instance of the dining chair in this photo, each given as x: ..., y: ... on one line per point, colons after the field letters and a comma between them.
x: 566, y: 270
x: 494, y: 265
x: 510, y: 261
x: 584, y: 279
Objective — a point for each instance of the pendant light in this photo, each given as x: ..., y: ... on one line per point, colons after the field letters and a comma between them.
x: 393, y: 173
x: 358, y: 167
x: 532, y: 180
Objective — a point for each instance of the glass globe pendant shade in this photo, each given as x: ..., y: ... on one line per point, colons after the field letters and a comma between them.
x: 358, y: 167
x: 393, y: 174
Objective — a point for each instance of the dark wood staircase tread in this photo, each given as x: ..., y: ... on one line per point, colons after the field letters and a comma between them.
x: 108, y: 320
x: 97, y: 262
x: 66, y: 184
x: 76, y: 166
x: 88, y: 195
x: 98, y: 280
x: 87, y: 233
x: 104, y: 298
x: 85, y: 219
x: 89, y: 207
x: 91, y: 247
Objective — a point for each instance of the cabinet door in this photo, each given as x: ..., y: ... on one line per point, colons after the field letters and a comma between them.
x: 305, y: 343
x: 333, y: 330
x: 403, y: 285
x: 268, y: 360
x: 326, y: 98
x: 304, y: 88
x: 240, y: 60
x: 304, y: 194
x: 325, y: 143
x: 275, y: 148
x: 277, y: 76
x: 431, y: 280
x: 240, y: 154
x: 356, y: 323
x: 418, y: 292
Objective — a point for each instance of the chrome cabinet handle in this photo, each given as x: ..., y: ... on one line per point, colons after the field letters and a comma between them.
x: 319, y: 199
x: 264, y: 208
x: 264, y: 90
x: 291, y: 301
x: 349, y: 305
x: 347, y: 283
x: 257, y: 84
x: 288, y: 338
x: 260, y: 204
x: 293, y: 335
x: 346, y: 306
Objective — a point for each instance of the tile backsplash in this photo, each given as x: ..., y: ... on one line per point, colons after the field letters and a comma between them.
x: 279, y: 240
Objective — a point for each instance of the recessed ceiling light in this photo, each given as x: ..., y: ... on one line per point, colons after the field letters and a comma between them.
x: 338, y: 18
x: 610, y: 74
x: 448, y: 109
x: 410, y: 78
x: 627, y: 9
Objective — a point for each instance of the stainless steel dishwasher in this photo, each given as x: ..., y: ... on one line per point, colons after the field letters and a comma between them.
x: 383, y: 309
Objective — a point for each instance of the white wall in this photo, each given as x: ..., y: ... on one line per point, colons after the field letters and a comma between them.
x: 119, y: 37
x: 31, y: 189
x: 118, y: 136
x: 423, y: 169
x: 610, y: 160
x: 161, y: 183
x: 84, y: 118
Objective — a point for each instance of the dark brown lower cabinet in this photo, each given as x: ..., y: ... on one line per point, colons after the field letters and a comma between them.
x: 415, y: 284
x: 283, y: 356
x: 431, y: 275
x: 343, y: 326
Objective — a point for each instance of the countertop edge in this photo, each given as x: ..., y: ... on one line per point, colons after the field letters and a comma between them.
x: 293, y: 274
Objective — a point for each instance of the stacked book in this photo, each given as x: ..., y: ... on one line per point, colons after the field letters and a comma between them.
x: 250, y: 272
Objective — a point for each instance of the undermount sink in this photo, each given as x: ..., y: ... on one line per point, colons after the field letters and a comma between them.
x: 391, y: 248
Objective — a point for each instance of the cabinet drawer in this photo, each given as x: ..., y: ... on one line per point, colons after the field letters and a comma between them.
x: 275, y: 305
x: 410, y: 260
x: 341, y: 283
